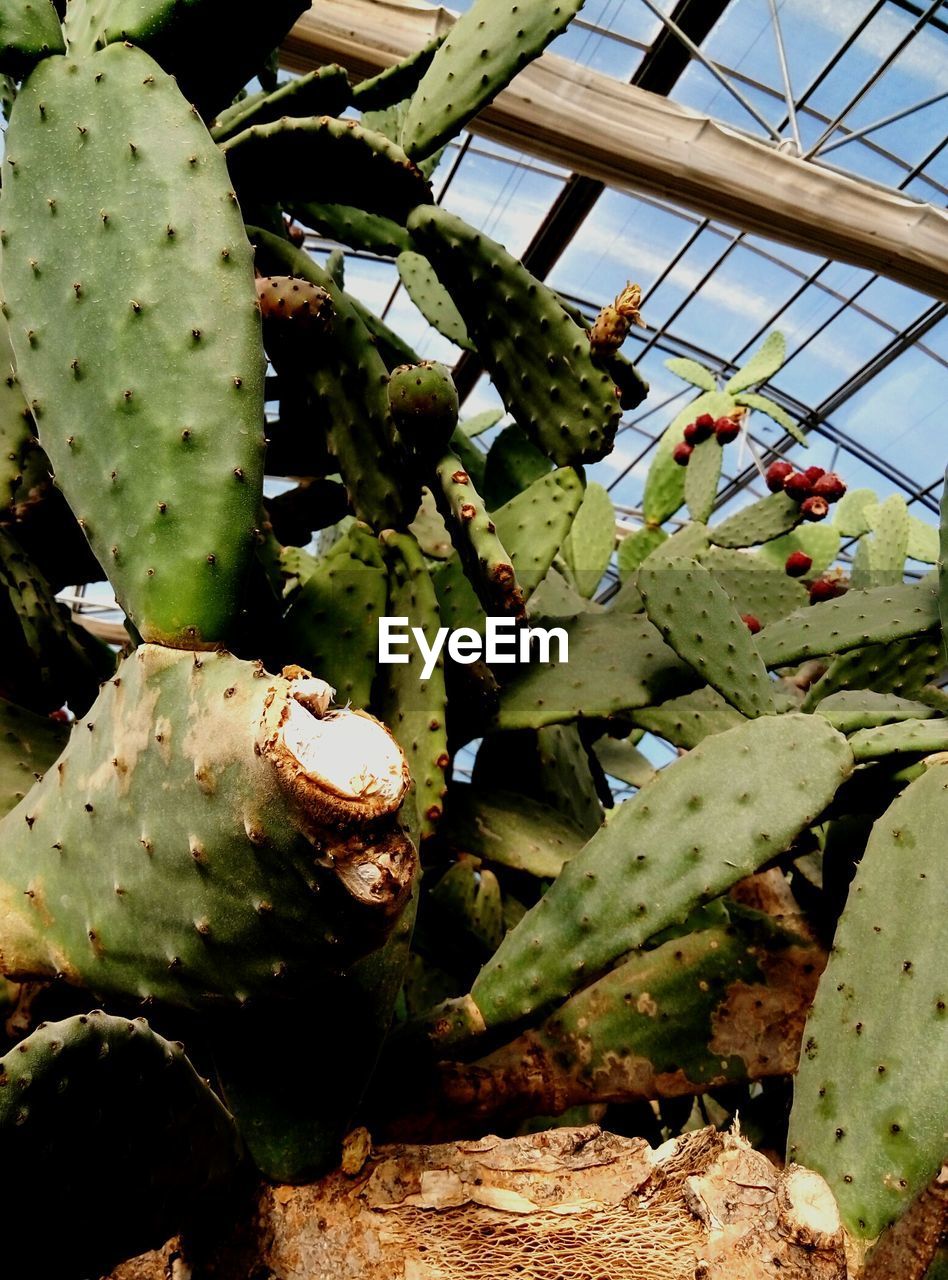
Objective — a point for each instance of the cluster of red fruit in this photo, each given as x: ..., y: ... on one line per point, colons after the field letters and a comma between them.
x: 814, y: 489
x: 724, y: 431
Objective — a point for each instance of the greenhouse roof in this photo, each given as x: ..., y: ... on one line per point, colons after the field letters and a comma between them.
x: 859, y: 85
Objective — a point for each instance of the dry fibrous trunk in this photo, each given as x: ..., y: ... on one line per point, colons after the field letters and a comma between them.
x: 568, y: 1202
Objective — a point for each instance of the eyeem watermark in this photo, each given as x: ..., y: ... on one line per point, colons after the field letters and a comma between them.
x: 502, y: 642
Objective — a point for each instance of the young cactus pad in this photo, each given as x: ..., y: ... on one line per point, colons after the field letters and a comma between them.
x: 705, y: 822
x: 128, y: 281
x: 870, y: 1109
x: 209, y: 831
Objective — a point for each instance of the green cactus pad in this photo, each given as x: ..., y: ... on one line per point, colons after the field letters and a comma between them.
x: 430, y: 531
x: 713, y: 817
x: 636, y: 547
x: 350, y: 384
x: 325, y: 159
x: 878, y: 616
x: 48, y: 659
x: 351, y: 226
x: 29, y: 32
x: 432, y: 299
x: 392, y: 349
x: 702, y: 476
x: 488, y: 566
x: 114, y: 195
x: 688, y: 720
x: 21, y: 459
x: 105, y: 1119
x: 621, y: 758
x: 538, y: 357
x: 468, y: 907
x: 771, y: 517
x: 908, y: 737
x: 551, y: 764
x: 923, y: 541
x: 510, y: 829
x: 513, y: 463
x: 615, y: 665
x: 332, y: 624
x: 854, y: 709
x: 323, y: 92
x: 589, y: 544
x: 178, y: 36
x: 755, y: 586
x: 889, y: 544
x: 482, y: 52
x: 29, y: 745
x: 763, y: 364
x: 397, y: 82
x: 557, y: 598
x: 870, y: 1110
x: 293, y: 1130
x: 184, y: 848
x: 413, y: 708
x: 699, y: 621
x: 532, y: 526
x: 850, y: 516
x: 902, y: 667
x: 821, y: 542
x: 783, y: 419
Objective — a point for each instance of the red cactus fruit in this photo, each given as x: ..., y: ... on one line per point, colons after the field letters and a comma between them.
x: 775, y: 475
x: 798, y: 486
x: 705, y: 420
x: 815, y: 509
x: 751, y: 623
x: 682, y: 453
x: 830, y: 487
x: 726, y: 430
x: 697, y: 431
x: 814, y: 473
x: 798, y: 564
x: 826, y: 589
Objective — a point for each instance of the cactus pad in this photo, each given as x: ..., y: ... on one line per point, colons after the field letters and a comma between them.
x: 715, y: 816
x: 29, y: 32
x: 698, y: 620
x: 321, y: 158
x: 113, y: 1124
x: 29, y: 744
x: 870, y: 1109
x: 483, y: 51
x: 200, y: 836
x: 538, y: 357
x: 878, y: 616
x: 113, y: 196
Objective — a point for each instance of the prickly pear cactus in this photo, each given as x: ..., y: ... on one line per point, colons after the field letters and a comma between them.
x: 636, y: 854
